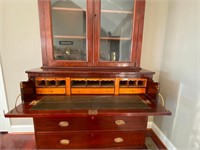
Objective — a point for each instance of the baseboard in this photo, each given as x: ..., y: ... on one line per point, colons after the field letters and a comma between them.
x: 21, y: 128
x: 162, y: 137
x: 149, y: 125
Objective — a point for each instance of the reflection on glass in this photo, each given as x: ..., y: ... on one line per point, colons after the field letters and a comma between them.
x: 116, y: 30
x: 69, y: 29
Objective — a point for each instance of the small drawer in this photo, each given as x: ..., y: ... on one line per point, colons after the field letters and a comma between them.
x: 90, y: 123
x: 92, y: 90
x: 50, y: 90
x: 132, y: 90
x: 109, y: 139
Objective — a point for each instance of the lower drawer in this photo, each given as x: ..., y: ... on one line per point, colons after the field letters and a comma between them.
x: 110, y: 139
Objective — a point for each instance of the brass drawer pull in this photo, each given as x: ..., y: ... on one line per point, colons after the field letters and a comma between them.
x: 120, y: 122
x: 64, y: 141
x: 63, y: 124
x: 118, y: 140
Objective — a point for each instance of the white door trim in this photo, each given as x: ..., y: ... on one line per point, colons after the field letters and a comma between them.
x: 4, y: 122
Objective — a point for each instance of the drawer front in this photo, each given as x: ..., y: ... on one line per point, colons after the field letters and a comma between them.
x: 92, y: 90
x: 110, y: 139
x: 63, y: 140
x: 90, y: 123
x: 132, y: 90
x: 62, y: 124
x: 120, y: 139
x: 50, y: 90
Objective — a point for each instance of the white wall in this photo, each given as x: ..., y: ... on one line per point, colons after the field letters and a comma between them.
x: 179, y: 75
x: 20, y: 46
x: 153, y: 35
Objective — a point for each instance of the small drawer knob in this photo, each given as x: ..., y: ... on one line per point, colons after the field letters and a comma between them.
x: 118, y: 140
x: 63, y: 124
x: 120, y: 122
x: 64, y: 141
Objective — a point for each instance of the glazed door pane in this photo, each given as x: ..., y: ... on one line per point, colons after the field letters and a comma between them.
x: 116, y: 24
x: 69, y: 30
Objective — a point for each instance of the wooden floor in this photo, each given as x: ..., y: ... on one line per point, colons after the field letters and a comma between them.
x: 27, y: 141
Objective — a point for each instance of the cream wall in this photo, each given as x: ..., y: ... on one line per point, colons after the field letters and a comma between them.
x: 153, y: 35
x: 179, y: 76
x: 20, y: 46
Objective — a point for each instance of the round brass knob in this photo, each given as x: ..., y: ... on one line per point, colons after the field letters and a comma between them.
x: 64, y: 141
x: 120, y: 122
x: 63, y: 124
x: 118, y: 140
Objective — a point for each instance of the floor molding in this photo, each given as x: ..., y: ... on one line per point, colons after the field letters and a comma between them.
x: 162, y: 137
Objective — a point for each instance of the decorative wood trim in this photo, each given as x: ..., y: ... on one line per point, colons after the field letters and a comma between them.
x: 68, y: 86
x: 138, y: 21
x: 140, y: 16
x: 42, y: 32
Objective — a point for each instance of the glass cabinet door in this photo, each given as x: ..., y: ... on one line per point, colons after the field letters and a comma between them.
x: 69, y: 29
x: 116, y: 30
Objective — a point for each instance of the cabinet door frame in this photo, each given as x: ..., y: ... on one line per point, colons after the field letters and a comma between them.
x: 136, y: 41
x: 47, y: 37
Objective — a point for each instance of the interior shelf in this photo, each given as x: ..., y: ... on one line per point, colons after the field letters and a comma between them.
x: 117, y: 11
x: 104, y: 11
x: 83, y: 37
x: 69, y: 37
x: 115, y: 38
x: 68, y: 9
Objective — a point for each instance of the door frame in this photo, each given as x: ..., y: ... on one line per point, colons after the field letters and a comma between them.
x: 4, y: 122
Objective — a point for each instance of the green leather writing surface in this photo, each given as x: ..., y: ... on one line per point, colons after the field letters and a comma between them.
x: 90, y: 102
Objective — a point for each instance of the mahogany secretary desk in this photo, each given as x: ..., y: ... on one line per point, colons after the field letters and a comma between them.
x: 90, y: 91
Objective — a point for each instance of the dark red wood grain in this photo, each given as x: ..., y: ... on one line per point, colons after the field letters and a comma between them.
x: 91, y: 123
